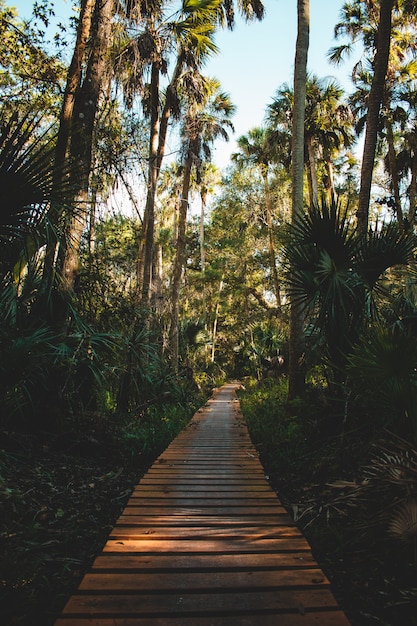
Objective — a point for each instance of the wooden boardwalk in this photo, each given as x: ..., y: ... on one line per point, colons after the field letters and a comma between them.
x: 205, y: 541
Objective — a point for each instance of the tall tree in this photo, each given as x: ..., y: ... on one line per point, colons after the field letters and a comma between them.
x: 204, y: 122
x: 359, y: 19
x: 256, y: 149
x: 86, y: 104
x: 328, y: 126
x: 297, y: 344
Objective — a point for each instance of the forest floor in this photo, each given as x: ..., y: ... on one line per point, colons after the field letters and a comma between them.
x: 60, y: 498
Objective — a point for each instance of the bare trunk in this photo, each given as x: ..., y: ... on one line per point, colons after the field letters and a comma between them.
x: 374, y: 104
x: 167, y: 110
x: 395, y: 185
x: 271, y: 245
x: 312, y: 166
x: 74, y: 78
x: 330, y: 175
x: 179, y: 264
x: 203, y: 251
x: 84, y: 112
x: 66, y: 116
x: 147, y: 240
x: 215, y: 322
x: 296, y: 380
x: 413, y: 191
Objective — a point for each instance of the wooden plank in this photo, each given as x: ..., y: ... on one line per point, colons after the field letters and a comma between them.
x: 301, y: 559
x: 209, y: 581
x: 194, y: 532
x: 149, y: 544
x: 204, y: 541
x: 334, y: 618
x: 297, y: 601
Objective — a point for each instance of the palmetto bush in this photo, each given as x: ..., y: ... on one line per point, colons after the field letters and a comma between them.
x: 35, y: 194
x: 382, y: 500
x: 384, y: 363
x: 340, y: 278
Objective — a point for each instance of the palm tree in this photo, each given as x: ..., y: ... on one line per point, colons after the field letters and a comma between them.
x: 333, y: 273
x: 190, y: 32
x: 400, y: 74
x: 379, y: 41
x: 256, y: 149
x: 297, y: 346
x: 204, y: 122
x: 328, y: 126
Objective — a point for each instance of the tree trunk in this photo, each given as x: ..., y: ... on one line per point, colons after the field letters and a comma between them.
x: 374, y: 104
x: 74, y: 77
x: 179, y: 263
x: 296, y: 380
x: 159, y: 129
x: 271, y: 245
x: 147, y: 240
x: 82, y: 129
x: 412, y: 194
x: 215, y: 322
x: 395, y: 185
x: 167, y: 110
x: 203, y: 195
x: 312, y: 166
x: 330, y: 176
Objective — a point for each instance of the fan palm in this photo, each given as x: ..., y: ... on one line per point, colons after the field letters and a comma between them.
x: 31, y: 199
x: 335, y: 274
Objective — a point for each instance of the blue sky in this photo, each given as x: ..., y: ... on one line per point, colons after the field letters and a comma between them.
x: 256, y: 58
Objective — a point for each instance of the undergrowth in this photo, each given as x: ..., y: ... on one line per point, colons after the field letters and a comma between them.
x: 60, y: 495
x: 322, y: 475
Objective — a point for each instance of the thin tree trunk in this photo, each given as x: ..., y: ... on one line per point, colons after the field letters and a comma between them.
x: 167, y: 109
x: 312, y: 166
x: 296, y: 380
x: 330, y: 175
x: 216, y: 319
x: 374, y: 104
x: 203, y: 251
x: 179, y: 264
x: 395, y: 185
x: 271, y: 245
x: 412, y: 194
x: 147, y: 240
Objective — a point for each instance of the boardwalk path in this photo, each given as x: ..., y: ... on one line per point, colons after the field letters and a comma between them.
x: 205, y: 541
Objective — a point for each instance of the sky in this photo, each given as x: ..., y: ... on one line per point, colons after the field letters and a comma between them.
x: 255, y: 59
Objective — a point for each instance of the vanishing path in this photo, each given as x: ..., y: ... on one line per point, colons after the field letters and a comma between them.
x: 204, y: 541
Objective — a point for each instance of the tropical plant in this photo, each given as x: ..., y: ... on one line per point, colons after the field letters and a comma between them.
x: 385, y: 359
x: 204, y: 122
x: 297, y: 348
x: 256, y: 149
x: 335, y: 276
x: 31, y: 200
x: 363, y: 18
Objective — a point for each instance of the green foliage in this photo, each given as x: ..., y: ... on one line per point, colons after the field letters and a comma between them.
x: 279, y: 434
x: 338, y: 276
x: 384, y: 364
x: 29, y: 74
x: 32, y: 199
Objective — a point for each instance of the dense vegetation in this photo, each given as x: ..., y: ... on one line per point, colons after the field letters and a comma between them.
x: 116, y: 322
